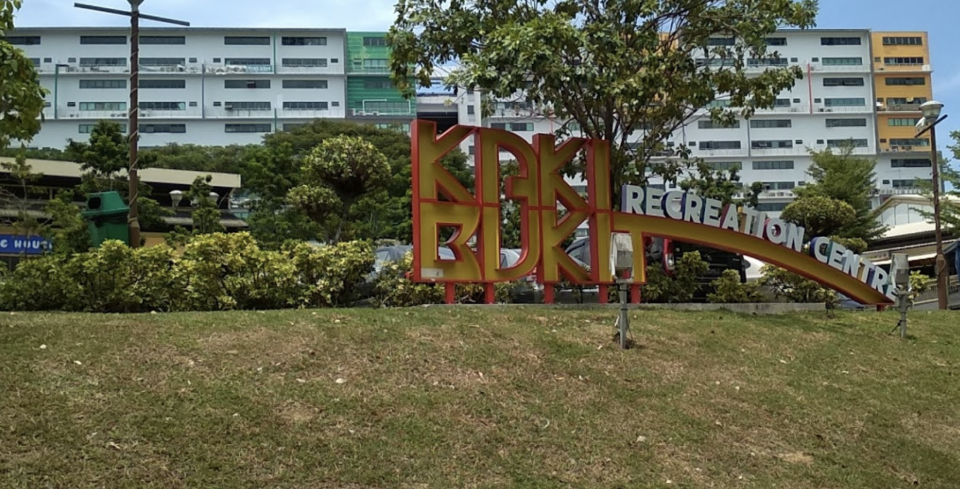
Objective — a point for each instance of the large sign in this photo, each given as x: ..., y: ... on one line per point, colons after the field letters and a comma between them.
x: 441, y: 202
x: 14, y: 245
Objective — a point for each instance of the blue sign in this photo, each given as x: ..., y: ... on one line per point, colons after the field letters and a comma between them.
x: 11, y: 244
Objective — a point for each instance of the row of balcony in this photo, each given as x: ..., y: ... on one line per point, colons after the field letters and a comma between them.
x: 216, y: 69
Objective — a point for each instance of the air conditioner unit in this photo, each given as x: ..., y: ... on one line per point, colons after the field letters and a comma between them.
x: 821, y: 109
x: 829, y: 110
x: 374, y: 114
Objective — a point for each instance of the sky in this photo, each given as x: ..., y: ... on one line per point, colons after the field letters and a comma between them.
x: 377, y: 15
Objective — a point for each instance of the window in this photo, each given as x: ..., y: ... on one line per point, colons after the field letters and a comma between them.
x: 471, y: 110
x: 298, y: 84
x: 721, y: 41
x: 374, y: 41
x: 711, y: 145
x: 23, y: 40
x: 246, y: 41
x: 903, y: 60
x: 779, y: 144
x: 910, y: 142
x: 772, y: 207
x: 162, y: 61
x: 781, y: 102
x: 246, y: 61
x: 718, y: 103
x: 376, y: 64
x: 168, y: 40
x: 717, y: 125
x: 767, y: 62
x: 911, y: 163
x: 846, y: 123
x: 247, y: 105
x: 776, y: 41
x: 840, y: 41
x: 103, y: 84
x: 163, y: 128
x: 304, y: 62
x: 103, y: 39
x: 905, y: 101
x: 248, y: 128
x: 903, y: 122
x: 779, y: 185
x: 388, y: 107
x: 903, y: 41
x: 910, y: 183
x: 771, y: 123
x: 164, y: 84
x: 35, y: 61
x: 378, y: 84
x: 103, y: 106
x: 901, y: 81
x: 520, y: 126
x: 88, y: 128
x: 842, y: 61
x: 839, y: 143
x: 163, y: 106
x: 845, y: 102
x: 103, y: 62
x: 725, y: 165
x: 773, y: 165
x: 231, y: 84
x: 304, y: 41
x: 305, y: 106
x: 843, y: 82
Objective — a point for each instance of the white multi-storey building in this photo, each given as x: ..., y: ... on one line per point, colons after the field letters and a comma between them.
x: 207, y: 86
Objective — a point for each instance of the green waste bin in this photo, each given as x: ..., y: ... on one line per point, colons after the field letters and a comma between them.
x: 106, y: 217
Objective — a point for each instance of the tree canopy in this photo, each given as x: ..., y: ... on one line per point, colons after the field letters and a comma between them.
x: 21, y: 95
x: 628, y: 71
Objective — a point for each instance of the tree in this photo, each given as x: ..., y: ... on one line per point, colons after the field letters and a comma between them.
x: 21, y: 95
x: 616, y: 68
x: 272, y: 170
x: 848, y: 178
x: 722, y: 185
x: 336, y: 174
x: 102, y: 159
x: 950, y: 199
x: 192, y: 157
x: 820, y: 216
x: 16, y: 189
x: 67, y: 230
x: 206, y: 213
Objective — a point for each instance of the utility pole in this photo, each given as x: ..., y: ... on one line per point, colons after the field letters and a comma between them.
x: 931, y: 117
x: 134, y: 122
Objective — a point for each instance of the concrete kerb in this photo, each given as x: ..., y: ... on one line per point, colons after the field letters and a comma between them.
x: 771, y: 308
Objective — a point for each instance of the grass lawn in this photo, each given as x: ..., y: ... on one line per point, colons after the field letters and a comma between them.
x: 472, y: 397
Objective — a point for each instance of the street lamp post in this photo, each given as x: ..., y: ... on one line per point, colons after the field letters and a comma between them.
x: 135, y: 16
x: 931, y: 117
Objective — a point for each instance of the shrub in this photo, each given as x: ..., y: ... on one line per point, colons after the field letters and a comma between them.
x: 117, y: 278
x: 729, y: 290
x: 229, y: 271
x: 919, y: 283
x: 37, y: 284
x: 331, y: 276
x: 681, y: 287
x: 796, y: 288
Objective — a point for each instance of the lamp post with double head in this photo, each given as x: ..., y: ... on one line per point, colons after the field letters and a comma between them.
x: 931, y: 117
x: 135, y: 16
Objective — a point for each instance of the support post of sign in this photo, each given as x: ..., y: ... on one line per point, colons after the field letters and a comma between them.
x: 603, y: 294
x: 635, y: 293
x: 624, y: 321
x: 489, y: 293
x: 548, y: 296
x: 450, y: 293
x: 903, y: 302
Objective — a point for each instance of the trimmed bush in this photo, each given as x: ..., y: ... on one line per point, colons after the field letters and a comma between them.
x: 729, y: 290
x: 393, y: 288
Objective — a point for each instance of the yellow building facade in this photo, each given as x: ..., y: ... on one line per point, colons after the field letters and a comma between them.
x: 902, y: 80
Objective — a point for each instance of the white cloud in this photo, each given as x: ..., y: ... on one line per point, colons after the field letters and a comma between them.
x: 354, y: 15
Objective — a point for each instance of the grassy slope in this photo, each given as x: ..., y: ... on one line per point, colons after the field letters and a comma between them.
x: 477, y: 398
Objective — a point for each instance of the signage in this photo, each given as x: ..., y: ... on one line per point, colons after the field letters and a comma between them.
x: 14, y: 245
x: 441, y: 202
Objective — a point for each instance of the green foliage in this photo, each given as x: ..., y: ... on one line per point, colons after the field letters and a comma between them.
x: 614, y: 68
x: 21, y: 95
x: 67, y: 230
x: 216, y: 272
x: 795, y: 288
x: 819, y: 215
x: 102, y: 159
x: 192, y: 157
x: 855, y: 245
x: 722, y: 185
x: 729, y: 290
x: 950, y: 198
x: 16, y: 192
x: 393, y: 288
x: 206, y: 214
x: 848, y: 178
x: 681, y: 287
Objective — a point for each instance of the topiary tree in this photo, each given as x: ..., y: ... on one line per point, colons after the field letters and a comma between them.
x: 729, y: 290
x: 336, y: 174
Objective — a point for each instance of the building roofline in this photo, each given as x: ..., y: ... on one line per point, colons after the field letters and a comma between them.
x: 173, y: 29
